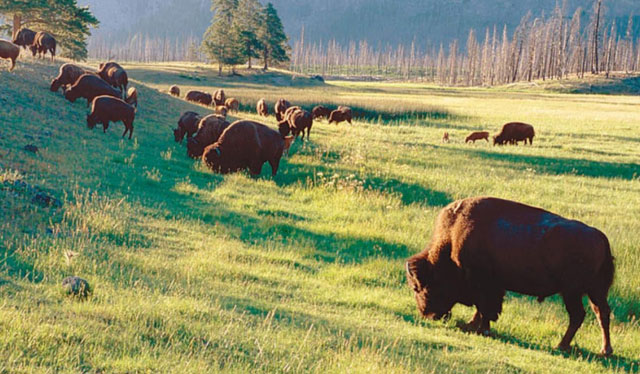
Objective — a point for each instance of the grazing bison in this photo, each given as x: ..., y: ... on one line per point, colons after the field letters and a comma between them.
x: 43, y: 43
x: 209, y: 130
x: 174, y: 91
x: 295, y: 123
x: 187, y: 125
x: 132, y: 97
x: 482, y: 247
x: 321, y: 112
x: 9, y: 51
x: 281, y: 106
x: 262, y: 108
x: 514, y: 132
x: 115, y: 75
x: 341, y: 114
x: 222, y: 110
x: 25, y: 38
x: 68, y: 75
x: 477, y: 135
x: 445, y: 137
x: 232, y: 104
x: 90, y: 86
x: 107, y: 109
x: 199, y: 97
x: 219, y: 97
x: 245, y: 144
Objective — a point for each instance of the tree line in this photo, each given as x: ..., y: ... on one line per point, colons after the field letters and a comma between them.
x: 545, y: 47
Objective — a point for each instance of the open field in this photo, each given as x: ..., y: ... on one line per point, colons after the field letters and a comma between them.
x: 194, y: 272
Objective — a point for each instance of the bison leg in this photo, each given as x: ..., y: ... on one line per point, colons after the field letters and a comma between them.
x: 573, y: 304
x: 601, y: 308
x: 105, y: 126
x: 275, y: 164
x: 13, y: 64
x: 474, y: 323
x: 255, y: 168
x: 489, y: 305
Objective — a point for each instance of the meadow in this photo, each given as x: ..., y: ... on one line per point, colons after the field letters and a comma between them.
x: 303, y: 273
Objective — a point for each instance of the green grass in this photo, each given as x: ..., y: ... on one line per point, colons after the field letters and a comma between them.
x: 194, y: 272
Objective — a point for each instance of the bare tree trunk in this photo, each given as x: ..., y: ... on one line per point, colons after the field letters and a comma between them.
x: 17, y: 24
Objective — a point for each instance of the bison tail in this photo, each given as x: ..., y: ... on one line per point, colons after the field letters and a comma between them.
x: 607, y: 270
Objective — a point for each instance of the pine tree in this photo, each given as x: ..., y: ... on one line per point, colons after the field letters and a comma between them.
x: 64, y: 19
x: 274, y: 40
x: 218, y: 43
x: 245, y: 26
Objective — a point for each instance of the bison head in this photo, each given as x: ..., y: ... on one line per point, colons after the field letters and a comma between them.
x: 497, y: 140
x: 431, y: 288
x: 178, y: 134
x: 24, y: 38
x: 91, y: 122
x: 212, y: 157
x: 70, y: 95
x: 55, y: 85
x: 194, y: 148
x: 284, y: 128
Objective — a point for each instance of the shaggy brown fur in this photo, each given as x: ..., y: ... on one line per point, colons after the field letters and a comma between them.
x: 245, y: 145
x: 25, y: 38
x: 219, y: 97
x: 9, y: 51
x: 68, y: 75
x: 295, y: 122
x: 199, y: 97
x: 477, y: 135
x: 341, y: 114
x: 482, y: 247
x: 175, y: 91
x: 43, y: 43
x: 115, y: 75
x: 187, y: 125
x: 232, y: 104
x: 209, y: 130
x: 107, y: 109
x: 132, y: 97
x: 321, y: 112
x: 262, y: 108
x: 90, y: 86
x: 222, y: 110
x: 515, y: 132
x: 281, y: 106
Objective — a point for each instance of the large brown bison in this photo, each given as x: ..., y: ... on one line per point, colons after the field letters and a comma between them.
x: 115, y: 75
x: 209, y: 130
x: 25, y: 38
x: 262, y: 108
x: 199, y: 97
x: 174, y: 91
x: 9, y: 51
x: 43, y: 43
x: 245, y: 145
x: 232, y: 104
x: 295, y: 123
x: 482, y: 247
x: 219, y: 97
x: 321, y: 111
x: 90, y: 86
x: 68, y: 75
x: 341, y: 114
x: 514, y: 132
x: 187, y: 125
x: 477, y: 135
x: 281, y: 106
x: 107, y: 109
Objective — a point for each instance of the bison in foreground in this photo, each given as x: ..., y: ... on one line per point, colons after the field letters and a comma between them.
x: 174, y: 91
x: 482, y: 247
x: 477, y: 135
x: 209, y: 130
x: 67, y: 76
x: 107, y: 109
x: 262, y: 108
x: 90, y: 86
x: 187, y: 125
x: 245, y: 145
x: 9, y: 51
x: 199, y: 97
x: 515, y: 132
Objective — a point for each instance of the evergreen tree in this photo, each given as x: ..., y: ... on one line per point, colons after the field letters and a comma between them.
x: 246, y: 24
x: 219, y: 43
x: 274, y: 40
x: 64, y: 19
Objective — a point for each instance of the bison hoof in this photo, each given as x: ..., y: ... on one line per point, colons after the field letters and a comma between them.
x: 564, y: 348
x: 606, y: 352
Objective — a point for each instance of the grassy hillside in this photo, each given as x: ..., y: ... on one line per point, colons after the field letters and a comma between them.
x: 194, y: 272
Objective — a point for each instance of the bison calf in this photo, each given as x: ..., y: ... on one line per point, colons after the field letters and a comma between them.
x: 515, y: 132
x: 107, y: 109
x: 233, y: 105
x: 174, y: 91
x: 321, y: 111
x: 341, y: 114
x: 478, y: 135
x: 482, y: 247
x: 9, y: 51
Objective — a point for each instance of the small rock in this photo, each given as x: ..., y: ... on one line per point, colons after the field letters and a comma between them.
x: 76, y: 286
x: 31, y: 148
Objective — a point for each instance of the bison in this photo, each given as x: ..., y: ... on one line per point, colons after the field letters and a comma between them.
x: 233, y: 105
x: 90, y: 86
x: 187, y: 125
x: 514, y: 132
x: 477, y: 135
x: 115, y: 75
x: 107, y: 109
x: 262, y: 108
x: 25, y: 38
x: 174, y: 91
x: 219, y: 97
x: 221, y: 110
x: 341, y: 114
x: 321, y: 111
x: 43, y: 43
x: 9, y: 51
x: 482, y: 247
x: 281, y: 106
x: 199, y: 97
x: 67, y: 76
x: 295, y: 123
x: 209, y: 130
x: 132, y: 97
x: 445, y: 137
x: 245, y: 145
